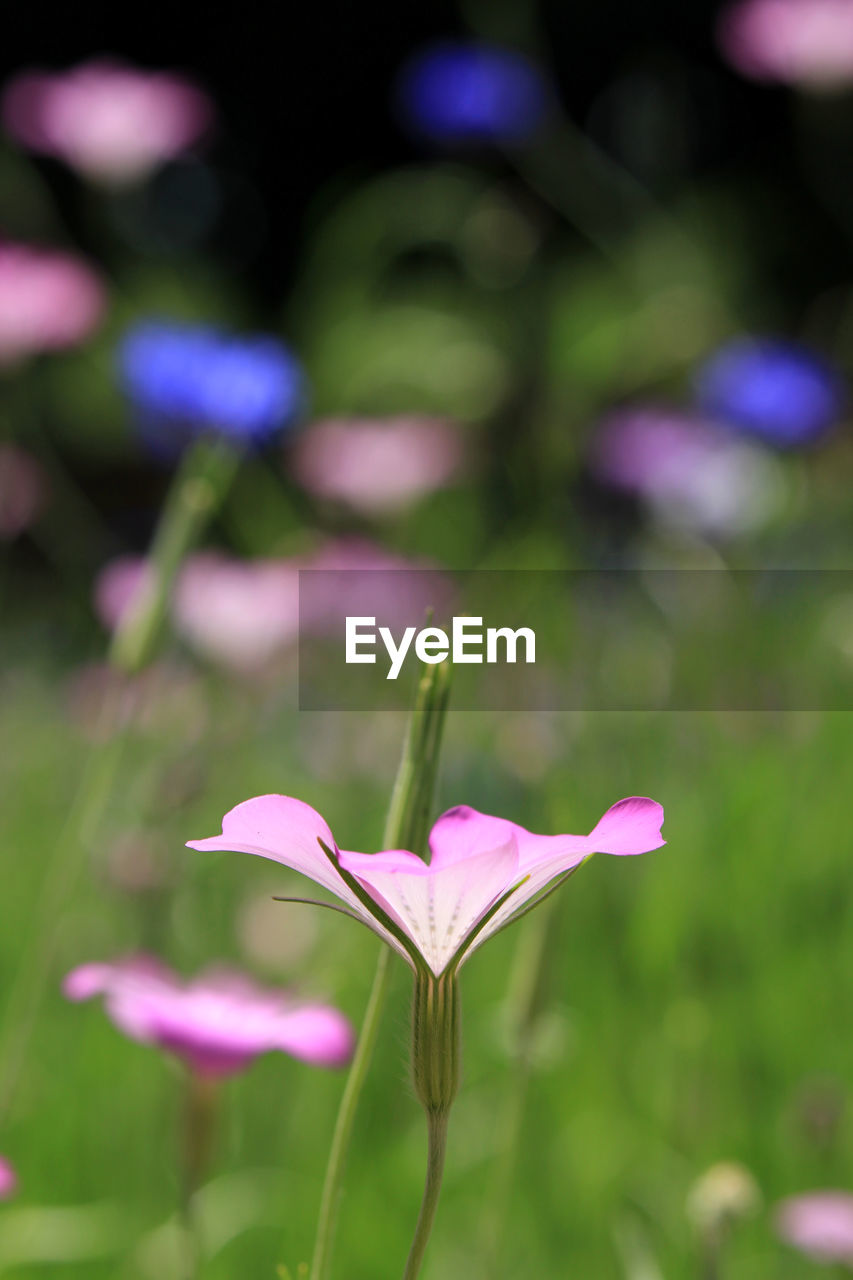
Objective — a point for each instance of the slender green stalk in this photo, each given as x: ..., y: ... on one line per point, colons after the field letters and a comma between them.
x: 356, y: 1077
x: 201, y: 1106
x: 198, y: 488
x: 406, y: 827
x: 435, y: 1076
x: 711, y: 1259
x: 437, y: 1139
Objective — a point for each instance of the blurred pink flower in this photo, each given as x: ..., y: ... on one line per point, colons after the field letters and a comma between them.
x: 8, y: 1179
x: 23, y: 490
x: 376, y: 466
x: 692, y: 473
x: 117, y: 586
x: 111, y: 122
x: 240, y: 613
x: 244, y: 613
x: 482, y: 870
x: 803, y: 42
x: 819, y: 1224
x: 217, y: 1023
x: 353, y: 576
x: 48, y: 300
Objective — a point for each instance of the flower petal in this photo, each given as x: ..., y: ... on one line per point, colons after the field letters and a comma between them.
x: 630, y: 826
x: 288, y: 831
x: 316, y: 1034
x: 437, y: 906
x: 464, y: 831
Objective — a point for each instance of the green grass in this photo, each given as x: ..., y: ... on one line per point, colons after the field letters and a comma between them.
x: 694, y: 1002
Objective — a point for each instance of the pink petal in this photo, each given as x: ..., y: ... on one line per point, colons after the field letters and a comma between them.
x: 820, y: 1224
x: 387, y: 860
x: 317, y: 1034
x: 282, y: 829
x: 464, y: 831
x: 437, y: 906
x: 219, y: 1022
x: 8, y: 1179
x: 89, y: 980
x: 86, y: 981
x: 288, y: 831
x: 630, y: 826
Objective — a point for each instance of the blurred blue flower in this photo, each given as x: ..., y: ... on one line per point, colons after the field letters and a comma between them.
x: 462, y: 92
x: 184, y: 380
x: 777, y: 390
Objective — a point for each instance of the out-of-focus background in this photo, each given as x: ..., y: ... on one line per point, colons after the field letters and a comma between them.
x: 538, y: 287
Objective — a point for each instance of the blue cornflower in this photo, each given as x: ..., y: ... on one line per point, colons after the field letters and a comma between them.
x: 778, y: 390
x: 185, y: 380
x: 462, y: 92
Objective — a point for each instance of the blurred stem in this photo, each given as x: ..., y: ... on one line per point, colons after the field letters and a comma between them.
x: 437, y: 1138
x: 201, y: 1106
x: 198, y: 489
x: 406, y: 827
x: 586, y: 188
x: 711, y: 1260
x: 199, y: 486
x: 522, y: 1007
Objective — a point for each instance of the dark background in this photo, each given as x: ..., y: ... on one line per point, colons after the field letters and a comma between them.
x: 304, y: 100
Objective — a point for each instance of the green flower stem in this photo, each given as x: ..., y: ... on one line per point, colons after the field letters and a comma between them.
x: 437, y: 1138
x: 356, y: 1077
x: 199, y: 487
x: 711, y: 1261
x: 406, y: 827
x: 197, y: 490
x: 201, y: 1107
x: 435, y: 1075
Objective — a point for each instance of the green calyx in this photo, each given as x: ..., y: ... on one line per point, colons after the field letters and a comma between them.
x: 435, y: 1040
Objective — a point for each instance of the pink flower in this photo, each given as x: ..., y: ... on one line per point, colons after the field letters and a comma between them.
x: 819, y: 1224
x: 117, y: 586
x: 376, y: 466
x: 692, y: 473
x: 23, y: 491
x: 239, y: 613
x: 804, y: 42
x: 244, y: 613
x: 48, y: 300
x: 218, y: 1023
x: 482, y: 873
x: 109, y: 121
x: 8, y: 1179
x: 354, y: 576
